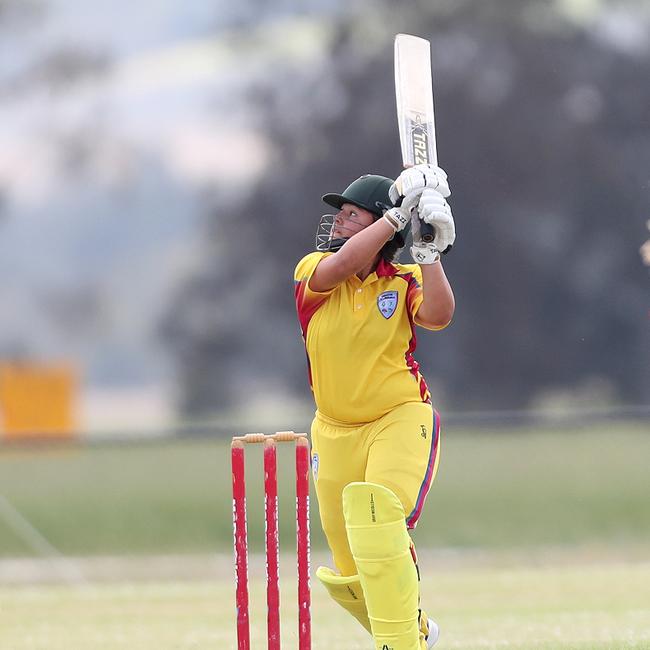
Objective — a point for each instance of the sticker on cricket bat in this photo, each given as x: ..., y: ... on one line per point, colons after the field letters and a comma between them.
x: 420, y: 141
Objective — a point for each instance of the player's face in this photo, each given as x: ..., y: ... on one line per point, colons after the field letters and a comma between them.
x: 350, y: 220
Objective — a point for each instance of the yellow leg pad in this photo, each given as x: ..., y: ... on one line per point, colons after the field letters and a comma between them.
x: 347, y: 592
x: 380, y: 545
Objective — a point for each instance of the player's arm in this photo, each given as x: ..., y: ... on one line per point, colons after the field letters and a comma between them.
x: 438, y: 303
x: 358, y: 251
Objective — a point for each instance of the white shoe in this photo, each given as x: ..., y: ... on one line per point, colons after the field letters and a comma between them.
x: 434, y: 633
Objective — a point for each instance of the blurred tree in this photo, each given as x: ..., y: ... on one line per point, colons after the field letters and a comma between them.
x: 543, y: 129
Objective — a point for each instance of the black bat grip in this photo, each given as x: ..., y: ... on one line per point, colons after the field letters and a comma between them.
x: 427, y: 233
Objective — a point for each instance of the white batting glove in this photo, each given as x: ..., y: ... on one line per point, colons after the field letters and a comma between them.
x: 425, y: 253
x: 398, y: 218
x: 433, y: 209
x: 415, y: 179
x: 422, y: 252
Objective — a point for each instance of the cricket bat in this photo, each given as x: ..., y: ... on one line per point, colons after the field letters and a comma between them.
x: 414, y: 98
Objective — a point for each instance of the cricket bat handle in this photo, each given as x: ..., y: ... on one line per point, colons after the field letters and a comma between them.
x: 427, y: 233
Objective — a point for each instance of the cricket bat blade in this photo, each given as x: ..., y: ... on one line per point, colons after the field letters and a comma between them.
x: 414, y: 100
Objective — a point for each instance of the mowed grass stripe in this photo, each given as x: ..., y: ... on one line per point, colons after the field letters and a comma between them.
x: 546, y: 608
x: 493, y: 489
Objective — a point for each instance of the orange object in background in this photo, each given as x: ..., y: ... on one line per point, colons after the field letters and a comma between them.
x: 37, y: 401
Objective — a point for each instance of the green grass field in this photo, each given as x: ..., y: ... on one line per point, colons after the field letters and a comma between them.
x: 530, y: 540
x: 494, y: 490
x: 557, y: 606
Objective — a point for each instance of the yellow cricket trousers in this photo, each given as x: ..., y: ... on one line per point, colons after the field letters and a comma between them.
x: 399, y: 451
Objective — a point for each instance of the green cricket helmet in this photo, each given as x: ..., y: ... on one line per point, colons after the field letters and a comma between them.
x: 369, y: 192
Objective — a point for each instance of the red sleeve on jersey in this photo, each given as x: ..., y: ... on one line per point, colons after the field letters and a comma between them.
x: 306, y: 305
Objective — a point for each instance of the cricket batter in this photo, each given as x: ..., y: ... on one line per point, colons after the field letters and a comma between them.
x: 375, y: 435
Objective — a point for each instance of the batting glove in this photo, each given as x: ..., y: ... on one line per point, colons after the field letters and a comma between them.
x: 425, y: 253
x: 433, y: 209
x: 422, y: 252
x: 415, y: 179
x: 397, y: 218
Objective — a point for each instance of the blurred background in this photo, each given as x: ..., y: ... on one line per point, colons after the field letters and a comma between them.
x: 161, y: 168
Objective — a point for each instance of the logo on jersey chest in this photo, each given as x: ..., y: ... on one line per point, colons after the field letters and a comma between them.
x: 387, y: 303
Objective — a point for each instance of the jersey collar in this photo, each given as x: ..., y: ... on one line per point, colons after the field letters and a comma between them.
x: 385, y: 269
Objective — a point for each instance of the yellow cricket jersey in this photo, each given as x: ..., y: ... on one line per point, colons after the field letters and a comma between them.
x: 360, y: 339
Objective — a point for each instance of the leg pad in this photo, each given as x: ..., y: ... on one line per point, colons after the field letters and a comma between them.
x: 347, y: 592
x: 380, y: 545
